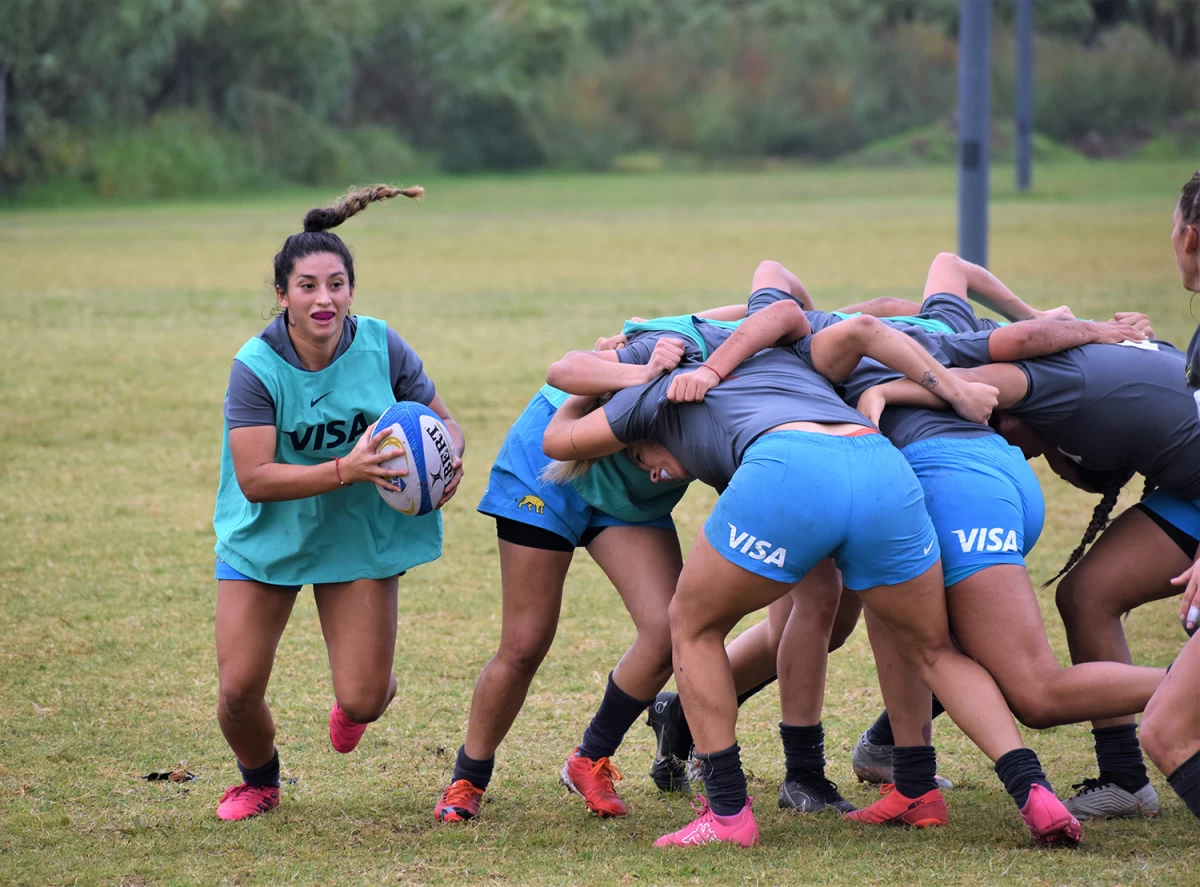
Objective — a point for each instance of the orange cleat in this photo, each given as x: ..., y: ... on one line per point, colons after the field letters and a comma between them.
x: 459, y: 802
x: 594, y: 781
x: 893, y: 808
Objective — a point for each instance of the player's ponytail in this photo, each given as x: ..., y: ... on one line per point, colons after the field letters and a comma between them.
x: 354, y: 201
x: 565, y: 472
x: 1100, y: 515
x: 317, y: 238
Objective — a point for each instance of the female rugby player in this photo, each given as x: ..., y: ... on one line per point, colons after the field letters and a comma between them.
x: 1171, y: 726
x: 297, y: 503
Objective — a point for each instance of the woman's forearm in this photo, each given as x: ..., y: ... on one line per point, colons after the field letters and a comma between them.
x: 591, y: 373
x: 777, y: 324
x: 280, y: 482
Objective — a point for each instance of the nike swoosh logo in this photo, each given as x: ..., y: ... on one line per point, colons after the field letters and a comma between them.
x: 928, y: 548
x: 317, y: 400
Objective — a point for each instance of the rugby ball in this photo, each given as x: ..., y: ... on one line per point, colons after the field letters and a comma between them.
x: 422, y: 447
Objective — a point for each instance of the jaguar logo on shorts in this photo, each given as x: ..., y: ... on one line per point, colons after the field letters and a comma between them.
x: 983, y: 539
x: 533, y: 503
x: 744, y: 542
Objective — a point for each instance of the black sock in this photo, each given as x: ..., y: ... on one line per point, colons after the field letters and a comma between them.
x: 1120, y: 756
x: 755, y: 690
x: 880, y: 733
x: 803, y: 750
x: 1019, y: 769
x: 266, y: 775
x: 616, y: 714
x: 913, y: 769
x: 1186, y: 783
x: 724, y: 781
x: 478, y: 773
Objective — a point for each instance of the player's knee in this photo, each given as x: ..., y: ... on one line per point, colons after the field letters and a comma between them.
x: 1034, y: 711
x: 524, y: 653
x: 656, y: 636
x: 1068, y: 598
x: 367, y: 701
x: 239, y: 702
x: 1161, y: 733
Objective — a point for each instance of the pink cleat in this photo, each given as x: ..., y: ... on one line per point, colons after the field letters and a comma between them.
x: 1048, y: 820
x: 343, y: 732
x: 243, y: 801
x: 707, y: 827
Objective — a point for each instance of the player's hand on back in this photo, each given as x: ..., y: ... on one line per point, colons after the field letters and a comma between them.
x: 1137, y: 320
x: 871, y: 403
x: 666, y: 356
x: 691, y: 387
x: 975, y: 401
x: 1062, y: 312
x: 1110, y: 332
x: 611, y: 343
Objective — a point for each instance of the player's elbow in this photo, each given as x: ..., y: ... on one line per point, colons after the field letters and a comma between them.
x: 790, y: 319
x: 945, y: 260
x: 252, y: 490
x: 1014, y: 342
x: 556, y: 443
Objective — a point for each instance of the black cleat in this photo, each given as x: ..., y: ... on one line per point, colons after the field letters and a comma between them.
x: 812, y: 793
x: 666, y: 718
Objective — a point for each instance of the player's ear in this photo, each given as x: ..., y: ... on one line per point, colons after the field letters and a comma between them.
x: 1191, y: 239
x: 281, y: 297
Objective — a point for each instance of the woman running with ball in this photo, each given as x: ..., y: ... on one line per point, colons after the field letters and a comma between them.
x: 297, y: 505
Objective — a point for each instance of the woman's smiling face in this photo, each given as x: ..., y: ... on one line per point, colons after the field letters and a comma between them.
x: 318, y: 296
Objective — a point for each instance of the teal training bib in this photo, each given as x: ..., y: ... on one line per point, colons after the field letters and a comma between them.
x: 926, y: 323
x: 683, y: 325
x: 345, y: 534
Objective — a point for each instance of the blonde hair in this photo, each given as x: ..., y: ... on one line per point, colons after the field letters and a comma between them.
x: 565, y: 472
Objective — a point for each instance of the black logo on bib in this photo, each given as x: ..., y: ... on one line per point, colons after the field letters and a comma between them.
x: 327, y: 435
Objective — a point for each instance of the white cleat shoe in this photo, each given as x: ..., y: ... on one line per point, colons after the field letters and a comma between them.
x: 1107, y: 800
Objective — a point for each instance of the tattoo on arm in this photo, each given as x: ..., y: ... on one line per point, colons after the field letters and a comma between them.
x: 571, y: 437
x: 929, y: 380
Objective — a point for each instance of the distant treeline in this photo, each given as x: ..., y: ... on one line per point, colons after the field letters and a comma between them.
x: 150, y: 97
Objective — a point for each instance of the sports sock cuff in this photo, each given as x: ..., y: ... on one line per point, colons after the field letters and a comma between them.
x: 616, y: 714
x: 1185, y: 781
x: 1019, y: 770
x: 478, y: 773
x: 1120, y: 756
x: 724, y: 780
x: 880, y: 733
x: 913, y: 769
x: 803, y: 747
x: 266, y: 775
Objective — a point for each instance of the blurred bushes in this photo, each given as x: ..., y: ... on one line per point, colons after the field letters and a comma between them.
x: 164, y: 97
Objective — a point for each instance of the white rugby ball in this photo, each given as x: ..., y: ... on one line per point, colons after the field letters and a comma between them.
x: 423, y: 447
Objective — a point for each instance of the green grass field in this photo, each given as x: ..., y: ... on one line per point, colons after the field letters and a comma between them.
x: 119, y: 324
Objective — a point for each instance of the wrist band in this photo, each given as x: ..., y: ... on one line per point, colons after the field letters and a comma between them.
x: 713, y: 371
x: 338, y: 470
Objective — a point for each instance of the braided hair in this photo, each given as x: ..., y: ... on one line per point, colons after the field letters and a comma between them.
x: 1189, y: 200
x: 317, y: 238
x: 1100, y: 519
